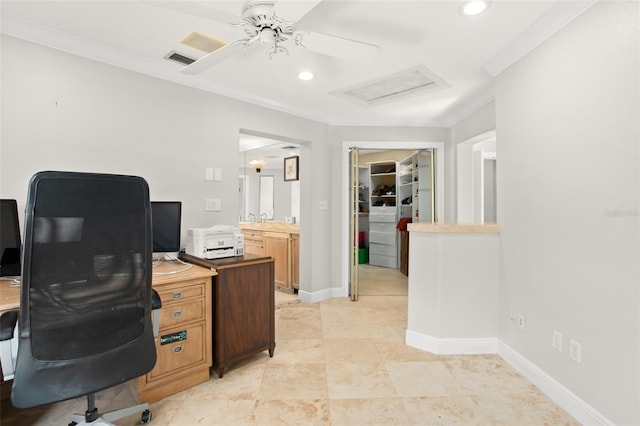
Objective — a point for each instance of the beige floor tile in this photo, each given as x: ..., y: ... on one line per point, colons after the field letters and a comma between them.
x: 214, y: 412
x: 526, y: 409
x: 480, y: 374
x: 341, y: 323
x: 240, y: 382
x: 378, y: 411
x: 339, y: 362
x: 308, y: 351
x: 298, y: 323
x: 287, y: 412
x: 351, y: 351
x: 452, y: 410
x: 392, y: 351
x: 348, y: 381
x: 304, y: 381
x: 423, y: 378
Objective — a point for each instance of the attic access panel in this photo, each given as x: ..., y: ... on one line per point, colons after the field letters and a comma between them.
x: 411, y: 82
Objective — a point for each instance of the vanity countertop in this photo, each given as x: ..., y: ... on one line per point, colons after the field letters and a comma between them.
x: 271, y: 227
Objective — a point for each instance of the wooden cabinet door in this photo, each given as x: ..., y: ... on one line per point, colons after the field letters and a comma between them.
x: 277, y: 245
x: 295, y: 261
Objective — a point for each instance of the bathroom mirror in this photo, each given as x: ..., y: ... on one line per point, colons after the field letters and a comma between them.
x: 266, y: 197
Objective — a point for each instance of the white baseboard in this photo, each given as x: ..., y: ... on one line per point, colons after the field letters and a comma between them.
x: 465, y: 346
x: 319, y: 296
x: 562, y: 396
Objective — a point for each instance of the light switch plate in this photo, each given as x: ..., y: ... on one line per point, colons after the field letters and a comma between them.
x: 208, y: 173
x: 213, y: 205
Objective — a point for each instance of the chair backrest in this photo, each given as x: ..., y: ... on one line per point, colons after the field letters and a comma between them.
x: 85, y: 301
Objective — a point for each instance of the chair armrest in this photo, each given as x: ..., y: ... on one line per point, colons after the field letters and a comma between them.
x: 156, y: 302
x: 8, y: 321
x: 156, y: 305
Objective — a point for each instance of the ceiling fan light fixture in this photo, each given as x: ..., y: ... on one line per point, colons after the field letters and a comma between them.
x: 473, y: 7
x: 268, y: 36
x: 305, y: 75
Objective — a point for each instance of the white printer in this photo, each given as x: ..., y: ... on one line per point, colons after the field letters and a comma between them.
x: 215, y: 242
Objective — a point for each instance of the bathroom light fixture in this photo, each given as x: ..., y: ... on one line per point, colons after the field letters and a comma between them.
x: 257, y: 164
x: 305, y: 75
x: 473, y: 7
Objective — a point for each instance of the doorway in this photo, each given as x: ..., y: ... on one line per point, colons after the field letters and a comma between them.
x: 375, y: 276
x: 263, y: 192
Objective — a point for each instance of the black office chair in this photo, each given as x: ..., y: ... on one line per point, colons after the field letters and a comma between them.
x: 86, y: 299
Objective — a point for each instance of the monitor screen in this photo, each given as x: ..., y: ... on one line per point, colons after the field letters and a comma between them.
x: 10, y: 243
x: 165, y: 222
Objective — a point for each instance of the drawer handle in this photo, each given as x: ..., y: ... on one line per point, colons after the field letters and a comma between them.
x: 177, y: 349
x: 176, y: 295
x: 176, y: 314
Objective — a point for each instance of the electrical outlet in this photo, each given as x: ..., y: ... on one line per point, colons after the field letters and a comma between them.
x: 521, y: 321
x: 557, y: 341
x: 575, y: 350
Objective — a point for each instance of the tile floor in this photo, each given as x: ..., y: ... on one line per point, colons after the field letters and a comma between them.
x: 341, y: 363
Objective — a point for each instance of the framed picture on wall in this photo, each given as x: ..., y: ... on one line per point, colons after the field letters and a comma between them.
x: 291, y: 168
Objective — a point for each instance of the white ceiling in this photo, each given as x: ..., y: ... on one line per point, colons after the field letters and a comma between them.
x: 465, y: 52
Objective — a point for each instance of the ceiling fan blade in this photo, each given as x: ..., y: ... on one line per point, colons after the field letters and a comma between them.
x: 199, y: 10
x: 213, y: 58
x: 340, y: 47
x: 294, y: 10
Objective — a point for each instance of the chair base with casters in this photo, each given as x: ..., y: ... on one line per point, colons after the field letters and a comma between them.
x: 92, y: 417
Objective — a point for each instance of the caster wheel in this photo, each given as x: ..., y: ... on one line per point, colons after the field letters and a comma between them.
x: 145, y: 417
x: 73, y: 424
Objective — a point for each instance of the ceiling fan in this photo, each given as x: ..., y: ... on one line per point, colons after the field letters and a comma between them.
x: 263, y: 26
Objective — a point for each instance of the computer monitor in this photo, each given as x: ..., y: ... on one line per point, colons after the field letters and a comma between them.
x: 10, y: 242
x: 165, y: 222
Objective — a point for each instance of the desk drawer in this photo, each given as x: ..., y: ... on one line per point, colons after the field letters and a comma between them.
x: 179, y: 354
x: 177, y: 294
x: 174, y: 314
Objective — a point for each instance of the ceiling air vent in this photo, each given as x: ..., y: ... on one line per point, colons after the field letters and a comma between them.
x: 178, y: 57
x: 411, y: 82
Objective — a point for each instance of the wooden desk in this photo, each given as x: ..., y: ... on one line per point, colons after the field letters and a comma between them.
x: 9, y: 296
x: 186, y: 310
x: 186, y: 307
x: 9, y: 299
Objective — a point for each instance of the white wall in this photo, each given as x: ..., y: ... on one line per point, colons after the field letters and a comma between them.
x: 567, y: 120
x: 476, y: 128
x: 63, y: 112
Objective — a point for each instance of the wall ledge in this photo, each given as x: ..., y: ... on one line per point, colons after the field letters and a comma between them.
x: 454, y: 228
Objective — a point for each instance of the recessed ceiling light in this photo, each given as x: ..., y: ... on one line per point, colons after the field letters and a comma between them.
x: 474, y: 7
x: 305, y: 75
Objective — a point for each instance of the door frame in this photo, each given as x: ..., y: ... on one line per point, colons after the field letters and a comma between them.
x: 345, y: 262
